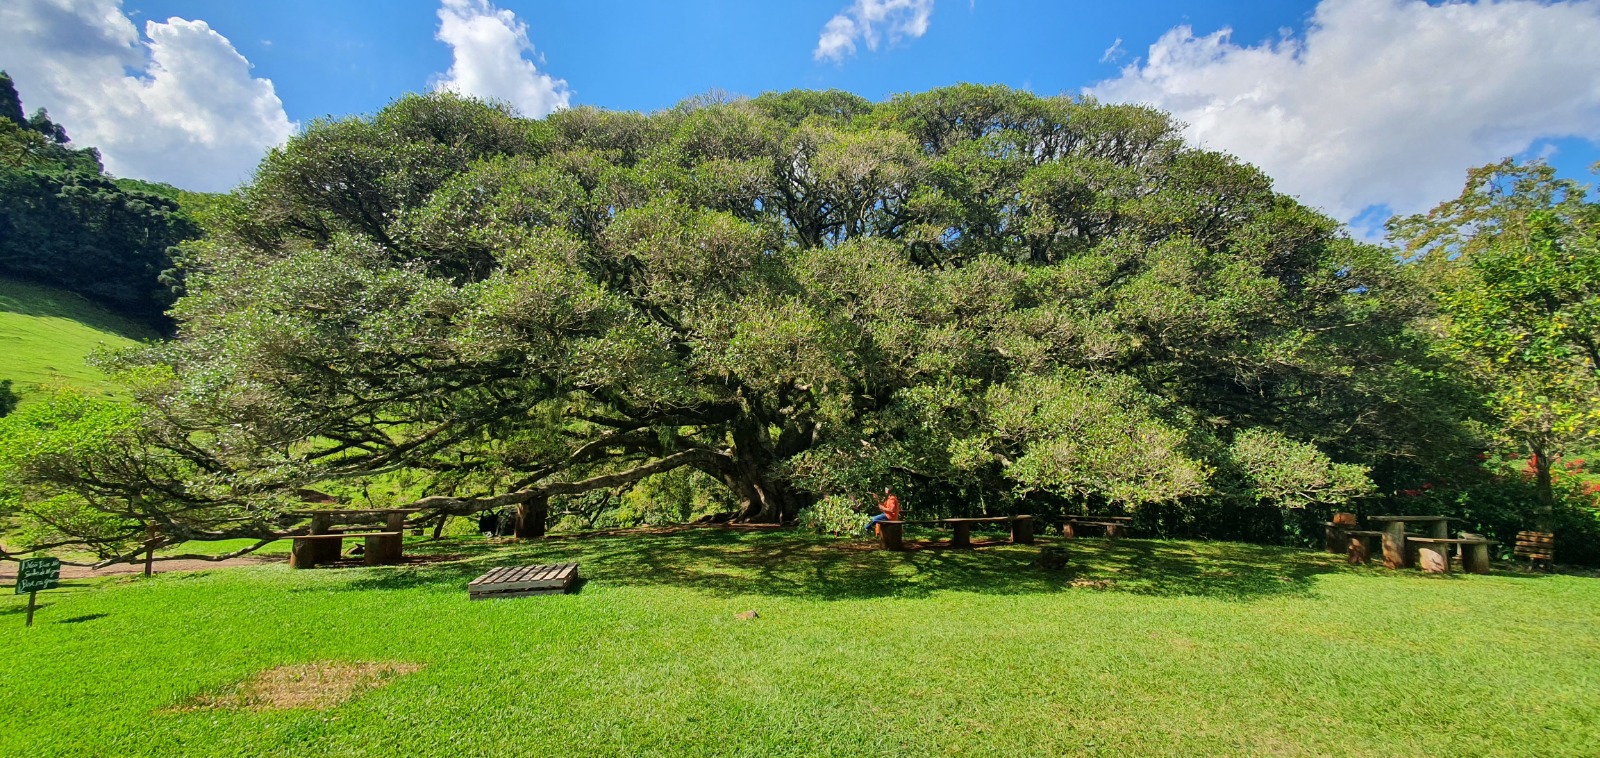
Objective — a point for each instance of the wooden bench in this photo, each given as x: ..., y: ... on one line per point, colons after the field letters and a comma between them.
x: 1113, y: 525
x: 1538, y: 548
x: 517, y: 581
x: 1432, y: 554
x: 891, y: 534
x: 1396, y: 553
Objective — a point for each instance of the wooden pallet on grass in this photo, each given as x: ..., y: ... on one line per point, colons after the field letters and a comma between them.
x: 516, y: 581
x: 1539, y: 548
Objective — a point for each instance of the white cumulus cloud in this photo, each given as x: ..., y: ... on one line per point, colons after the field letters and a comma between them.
x: 177, y: 104
x: 868, y: 21
x: 1381, y: 102
x: 488, y: 44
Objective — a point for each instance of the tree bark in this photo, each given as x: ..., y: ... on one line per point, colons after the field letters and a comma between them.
x: 763, y: 499
x: 1545, y: 508
x: 531, y: 517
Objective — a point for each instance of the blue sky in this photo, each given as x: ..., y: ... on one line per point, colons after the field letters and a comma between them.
x: 1360, y: 107
x: 352, y: 57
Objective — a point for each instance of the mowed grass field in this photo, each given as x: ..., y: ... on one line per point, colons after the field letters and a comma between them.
x: 1139, y: 648
x: 45, y: 335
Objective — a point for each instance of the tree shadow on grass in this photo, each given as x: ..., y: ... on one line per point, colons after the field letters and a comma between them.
x: 733, y: 562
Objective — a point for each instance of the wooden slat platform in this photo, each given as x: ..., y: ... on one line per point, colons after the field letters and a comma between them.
x: 1536, y: 546
x: 516, y: 581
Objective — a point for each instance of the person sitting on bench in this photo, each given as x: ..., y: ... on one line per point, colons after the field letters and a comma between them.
x: 890, y: 505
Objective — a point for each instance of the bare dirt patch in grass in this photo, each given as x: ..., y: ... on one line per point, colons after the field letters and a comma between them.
x: 315, y: 686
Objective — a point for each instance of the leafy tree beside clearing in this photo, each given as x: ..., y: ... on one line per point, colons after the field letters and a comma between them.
x: 1516, y: 266
x: 972, y: 293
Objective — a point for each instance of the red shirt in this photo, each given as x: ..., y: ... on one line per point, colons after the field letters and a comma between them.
x: 891, y: 507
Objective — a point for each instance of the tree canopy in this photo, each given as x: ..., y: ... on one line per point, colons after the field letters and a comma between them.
x: 974, y: 293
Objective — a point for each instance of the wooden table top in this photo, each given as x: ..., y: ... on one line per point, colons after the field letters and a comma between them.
x: 353, y: 511
x: 1414, y: 518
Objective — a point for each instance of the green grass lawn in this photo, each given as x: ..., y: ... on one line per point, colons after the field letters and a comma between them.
x: 1139, y: 648
x: 45, y: 335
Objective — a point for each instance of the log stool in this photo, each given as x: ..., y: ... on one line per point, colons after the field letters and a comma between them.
x: 1359, y: 546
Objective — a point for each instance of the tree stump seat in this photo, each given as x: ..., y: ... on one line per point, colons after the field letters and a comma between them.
x: 1336, y: 536
x: 1432, y: 554
x: 1359, y: 545
x: 1053, y: 558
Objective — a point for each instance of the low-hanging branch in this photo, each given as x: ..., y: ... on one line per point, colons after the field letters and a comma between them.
x: 457, y: 506
x: 133, y: 556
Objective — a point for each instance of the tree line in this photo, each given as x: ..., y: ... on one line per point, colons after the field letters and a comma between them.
x: 65, y: 223
x: 993, y: 301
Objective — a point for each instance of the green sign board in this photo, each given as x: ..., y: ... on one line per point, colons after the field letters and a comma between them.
x: 38, y: 574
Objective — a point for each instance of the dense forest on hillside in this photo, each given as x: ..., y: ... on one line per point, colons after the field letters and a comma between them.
x: 64, y: 222
x: 992, y: 301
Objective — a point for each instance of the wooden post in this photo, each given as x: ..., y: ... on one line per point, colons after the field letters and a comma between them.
x: 1475, y: 558
x: 1439, y: 529
x: 1394, y: 544
x: 1113, y: 531
x: 33, y: 598
x: 150, y: 532
x: 303, y: 554
x: 1358, y: 550
x: 890, y: 534
x: 1068, y: 532
x: 323, y: 551
x: 394, y: 543
x: 1022, y: 530
x: 531, y: 516
x: 1434, y: 557
x: 963, y: 535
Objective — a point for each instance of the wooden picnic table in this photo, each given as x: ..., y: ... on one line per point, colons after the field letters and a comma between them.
x: 324, y: 542
x: 891, y: 533
x: 1395, y: 553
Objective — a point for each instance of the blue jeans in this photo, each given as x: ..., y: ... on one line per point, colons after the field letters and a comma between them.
x: 871, y: 522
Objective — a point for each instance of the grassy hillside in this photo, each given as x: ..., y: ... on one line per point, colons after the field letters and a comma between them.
x: 45, y: 335
x: 1139, y: 648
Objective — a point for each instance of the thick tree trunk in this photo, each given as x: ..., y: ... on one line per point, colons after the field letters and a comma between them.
x: 762, y: 499
x: 1545, y: 508
x: 531, y: 518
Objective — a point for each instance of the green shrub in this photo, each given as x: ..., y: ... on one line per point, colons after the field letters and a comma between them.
x: 834, y: 514
x: 8, y: 398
